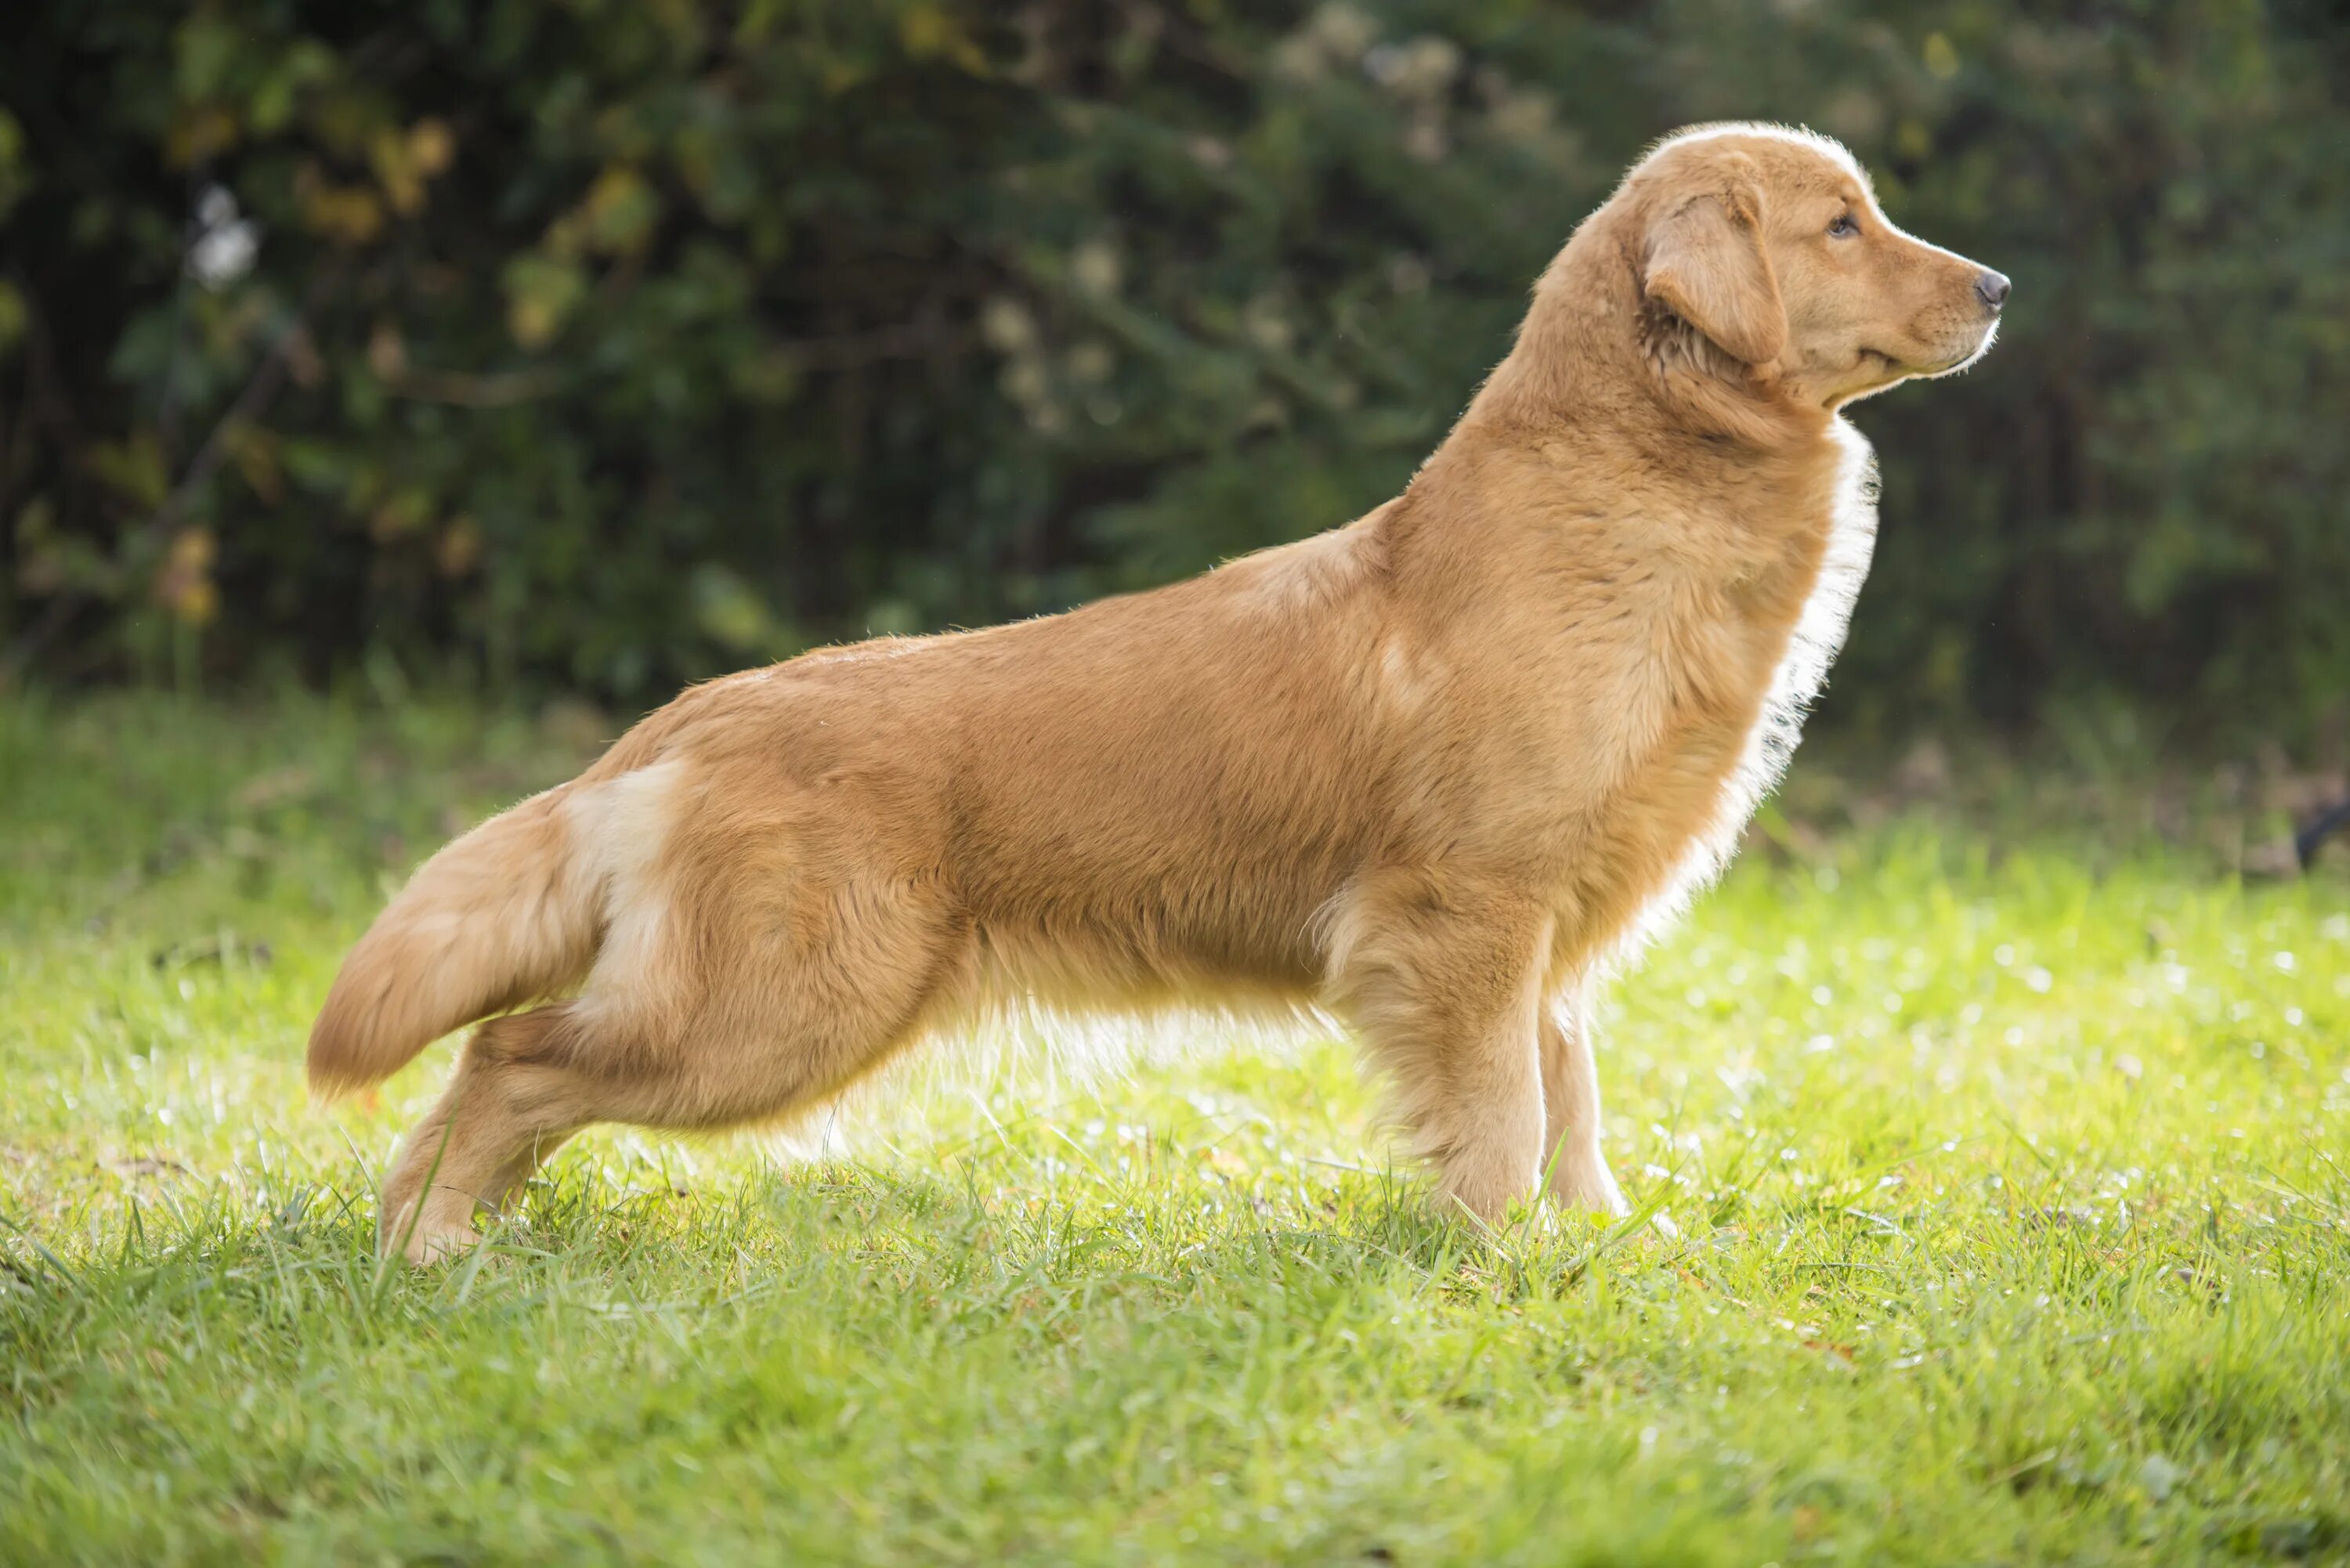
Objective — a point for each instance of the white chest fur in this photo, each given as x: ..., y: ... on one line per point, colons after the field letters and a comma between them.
x: 1818, y: 636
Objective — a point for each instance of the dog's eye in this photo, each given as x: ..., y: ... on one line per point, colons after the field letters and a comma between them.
x: 1845, y: 227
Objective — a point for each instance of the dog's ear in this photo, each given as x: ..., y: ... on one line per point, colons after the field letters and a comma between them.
x: 1706, y: 263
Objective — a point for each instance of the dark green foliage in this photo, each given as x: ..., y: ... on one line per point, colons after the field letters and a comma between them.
x: 615, y: 343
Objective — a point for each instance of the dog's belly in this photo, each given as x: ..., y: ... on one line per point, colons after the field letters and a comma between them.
x: 1237, y: 932
x: 1103, y: 969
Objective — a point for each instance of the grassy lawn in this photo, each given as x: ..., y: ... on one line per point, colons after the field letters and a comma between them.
x: 1989, y: 1176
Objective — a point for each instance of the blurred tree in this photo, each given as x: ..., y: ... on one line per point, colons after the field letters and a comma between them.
x: 611, y: 343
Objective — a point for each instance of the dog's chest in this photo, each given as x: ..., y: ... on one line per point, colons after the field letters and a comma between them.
x: 1706, y: 710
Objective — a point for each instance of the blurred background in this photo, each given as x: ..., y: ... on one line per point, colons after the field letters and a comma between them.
x: 516, y: 347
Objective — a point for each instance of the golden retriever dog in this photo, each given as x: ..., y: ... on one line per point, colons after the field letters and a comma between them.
x: 1427, y: 773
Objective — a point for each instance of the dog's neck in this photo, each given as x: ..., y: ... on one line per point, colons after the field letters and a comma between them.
x: 1600, y: 381
x: 1595, y: 359
x: 1608, y: 436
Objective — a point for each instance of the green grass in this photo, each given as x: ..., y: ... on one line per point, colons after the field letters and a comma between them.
x: 1989, y: 1177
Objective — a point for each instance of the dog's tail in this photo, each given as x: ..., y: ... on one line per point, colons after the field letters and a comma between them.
x: 508, y: 912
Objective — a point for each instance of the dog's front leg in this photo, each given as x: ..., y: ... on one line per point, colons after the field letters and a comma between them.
x: 1443, y: 983
x: 1578, y: 1173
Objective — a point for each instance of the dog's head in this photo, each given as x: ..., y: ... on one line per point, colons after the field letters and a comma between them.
x: 1767, y: 245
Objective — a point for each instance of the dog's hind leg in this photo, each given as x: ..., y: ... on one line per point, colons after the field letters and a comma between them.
x: 1442, y: 982
x: 1578, y: 1175
x: 503, y: 1112
x: 738, y: 1011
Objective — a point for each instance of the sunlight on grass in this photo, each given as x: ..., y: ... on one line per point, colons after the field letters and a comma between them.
x: 1990, y: 1208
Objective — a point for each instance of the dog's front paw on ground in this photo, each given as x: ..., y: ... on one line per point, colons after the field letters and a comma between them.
x: 424, y: 1242
x: 440, y: 1246
x: 1589, y: 1188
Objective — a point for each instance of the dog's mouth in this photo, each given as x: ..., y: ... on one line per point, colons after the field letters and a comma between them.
x: 1880, y: 366
x: 1960, y: 359
x: 1896, y: 365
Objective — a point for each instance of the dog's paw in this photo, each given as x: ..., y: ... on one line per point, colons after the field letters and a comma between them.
x: 1588, y: 1186
x: 429, y: 1240
x: 439, y: 1246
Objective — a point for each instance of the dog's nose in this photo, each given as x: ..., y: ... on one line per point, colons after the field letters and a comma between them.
x: 1992, y: 289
